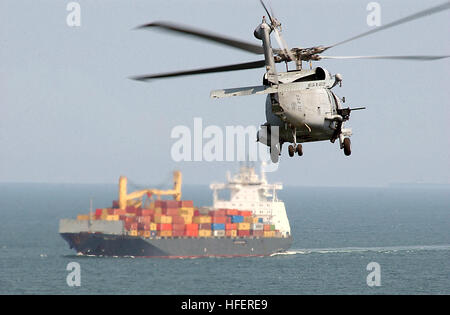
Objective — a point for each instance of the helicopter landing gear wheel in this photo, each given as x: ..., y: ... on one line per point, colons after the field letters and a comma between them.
x: 299, y: 149
x: 291, y: 151
x: 347, y: 147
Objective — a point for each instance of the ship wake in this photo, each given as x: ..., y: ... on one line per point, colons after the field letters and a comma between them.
x: 387, y: 249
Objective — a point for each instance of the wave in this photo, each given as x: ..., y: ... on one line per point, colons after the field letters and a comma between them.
x: 387, y: 249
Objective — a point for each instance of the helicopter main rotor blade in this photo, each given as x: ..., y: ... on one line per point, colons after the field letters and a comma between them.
x: 408, y: 18
x: 234, y: 67
x: 228, y: 41
x: 418, y: 57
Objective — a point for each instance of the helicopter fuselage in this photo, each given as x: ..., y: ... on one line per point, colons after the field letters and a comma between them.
x: 305, y: 108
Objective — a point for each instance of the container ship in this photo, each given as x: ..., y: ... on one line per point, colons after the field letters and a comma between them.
x: 251, y: 222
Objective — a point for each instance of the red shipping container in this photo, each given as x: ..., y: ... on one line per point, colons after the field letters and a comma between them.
x: 176, y: 219
x: 231, y: 226
x: 243, y: 232
x: 178, y: 227
x: 171, y: 204
x: 131, y: 209
x: 133, y: 226
x: 110, y: 211
x: 204, y: 226
x: 170, y: 211
x: 245, y: 213
x: 178, y: 233
x: 186, y: 203
x: 192, y: 233
x: 196, y: 213
x: 144, y: 219
x: 123, y: 217
x: 257, y: 233
x: 143, y: 226
x: 98, y: 211
x: 159, y: 203
x: 147, y: 212
x: 192, y: 226
x: 98, y: 217
x: 232, y: 212
x: 219, y: 213
x: 229, y: 220
x: 164, y: 227
x: 219, y: 219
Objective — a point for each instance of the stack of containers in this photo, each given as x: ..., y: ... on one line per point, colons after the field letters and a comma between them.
x: 169, y: 218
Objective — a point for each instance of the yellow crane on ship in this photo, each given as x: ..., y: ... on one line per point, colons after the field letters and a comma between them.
x: 136, y: 198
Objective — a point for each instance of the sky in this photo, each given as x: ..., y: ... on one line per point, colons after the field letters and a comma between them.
x: 70, y: 114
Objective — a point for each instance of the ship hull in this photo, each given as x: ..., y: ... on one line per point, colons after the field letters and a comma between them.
x: 98, y: 244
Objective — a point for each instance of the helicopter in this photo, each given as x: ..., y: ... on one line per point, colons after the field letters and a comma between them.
x: 300, y: 104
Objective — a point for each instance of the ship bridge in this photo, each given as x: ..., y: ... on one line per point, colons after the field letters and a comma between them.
x: 250, y: 191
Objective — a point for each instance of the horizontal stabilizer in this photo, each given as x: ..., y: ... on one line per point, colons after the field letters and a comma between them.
x: 243, y: 91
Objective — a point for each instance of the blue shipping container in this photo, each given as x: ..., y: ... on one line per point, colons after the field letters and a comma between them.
x: 237, y: 219
x: 260, y: 220
x: 218, y: 226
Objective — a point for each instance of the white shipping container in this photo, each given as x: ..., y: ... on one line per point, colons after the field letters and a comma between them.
x: 257, y: 226
x: 219, y: 232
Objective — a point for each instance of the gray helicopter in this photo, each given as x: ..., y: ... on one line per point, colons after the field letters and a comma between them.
x: 300, y: 104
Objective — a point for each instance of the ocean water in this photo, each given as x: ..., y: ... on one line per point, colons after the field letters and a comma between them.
x: 337, y: 233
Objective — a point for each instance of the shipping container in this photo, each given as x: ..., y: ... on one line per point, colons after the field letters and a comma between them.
x: 177, y: 219
x: 245, y: 213
x: 219, y: 219
x: 83, y: 217
x: 269, y: 233
x: 243, y: 226
x: 191, y: 233
x: 186, y: 203
x: 171, y: 211
x: 219, y: 233
x: 257, y: 226
x: 164, y: 233
x: 231, y: 226
x: 177, y: 233
x: 232, y: 212
x: 192, y: 226
x: 113, y: 217
x: 257, y: 233
x: 204, y: 233
x: 187, y: 211
x: 243, y: 232
x: 267, y: 227
x: 134, y: 233
x: 178, y: 226
x: 231, y: 233
x: 203, y: 211
x: 163, y: 227
x: 237, y: 219
x: 248, y: 220
x: 218, y: 212
x: 202, y: 219
x: 217, y: 226
x: 162, y: 219
x: 204, y: 226
x: 187, y: 219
